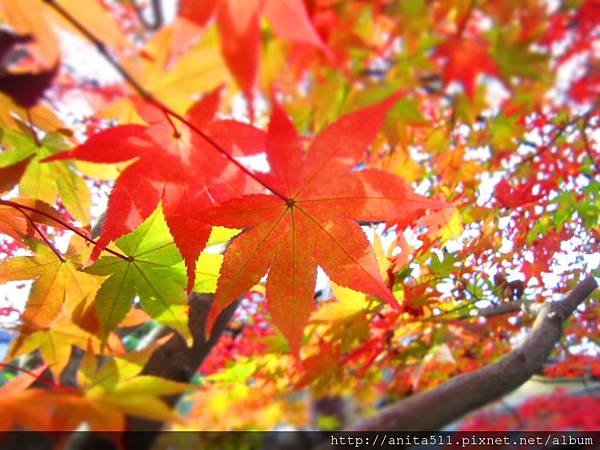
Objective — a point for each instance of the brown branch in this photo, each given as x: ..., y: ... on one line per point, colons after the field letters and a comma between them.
x: 433, y: 409
x: 176, y: 361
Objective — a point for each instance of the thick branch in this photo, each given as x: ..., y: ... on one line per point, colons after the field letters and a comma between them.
x: 498, y: 310
x: 176, y: 361
x: 433, y: 409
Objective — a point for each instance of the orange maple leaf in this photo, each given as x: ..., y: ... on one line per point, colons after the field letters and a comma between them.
x: 312, y: 219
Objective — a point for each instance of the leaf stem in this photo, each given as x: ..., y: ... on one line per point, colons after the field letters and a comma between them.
x: 39, y: 378
x: 42, y: 235
x: 176, y: 133
x: 19, y: 207
x: 35, y: 136
x: 146, y: 95
x: 465, y: 19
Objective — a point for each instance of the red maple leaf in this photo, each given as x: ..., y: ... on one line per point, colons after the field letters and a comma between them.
x: 239, y: 28
x: 171, y: 166
x: 463, y: 60
x: 311, y: 219
x: 513, y: 197
x: 543, y: 252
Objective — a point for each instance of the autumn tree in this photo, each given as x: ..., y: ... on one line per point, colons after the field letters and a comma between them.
x: 362, y: 215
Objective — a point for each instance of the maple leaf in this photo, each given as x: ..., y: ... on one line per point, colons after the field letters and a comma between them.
x: 402, y: 259
x: 25, y: 19
x: 445, y: 224
x: 453, y: 168
x: 46, y: 181
x: 517, y: 196
x: 55, y: 343
x: 117, y: 388
x: 187, y: 165
x: 18, y: 404
x: 312, y: 220
x: 14, y: 222
x: 543, y: 251
x: 322, y: 364
x: 10, y: 176
x: 33, y: 17
x: 60, y: 310
x: 175, y: 83
x: 107, y: 393
x: 240, y: 32
x: 149, y: 273
x: 345, y: 318
x: 11, y: 115
x: 57, y: 283
x: 463, y: 60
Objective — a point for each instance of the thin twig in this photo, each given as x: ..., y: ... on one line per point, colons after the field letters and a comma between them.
x: 463, y: 23
x: 157, y: 15
x: 39, y: 377
x: 558, y: 133
x: 64, y: 224
x: 42, y: 235
x: 586, y: 144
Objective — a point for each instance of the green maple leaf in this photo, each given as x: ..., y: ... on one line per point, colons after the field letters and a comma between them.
x: 152, y: 273
x: 45, y: 181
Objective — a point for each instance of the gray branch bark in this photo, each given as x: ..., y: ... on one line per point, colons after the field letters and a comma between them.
x: 502, y: 308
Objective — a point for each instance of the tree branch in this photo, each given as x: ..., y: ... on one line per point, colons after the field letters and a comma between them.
x: 176, y: 361
x: 498, y: 310
x: 157, y: 15
x: 433, y: 409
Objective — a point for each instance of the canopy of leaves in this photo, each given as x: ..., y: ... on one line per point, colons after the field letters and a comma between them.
x: 367, y: 183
